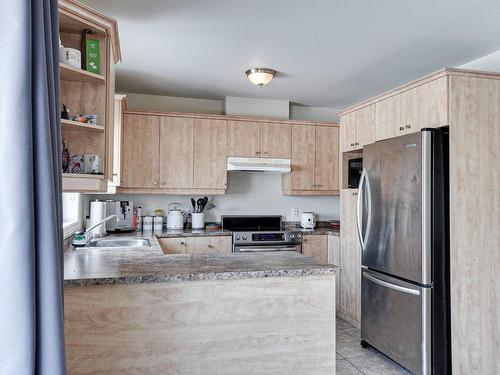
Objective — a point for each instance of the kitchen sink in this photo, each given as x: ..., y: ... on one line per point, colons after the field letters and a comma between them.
x: 119, y: 242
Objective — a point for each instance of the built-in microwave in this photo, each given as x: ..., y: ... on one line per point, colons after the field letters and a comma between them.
x: 355, y: 167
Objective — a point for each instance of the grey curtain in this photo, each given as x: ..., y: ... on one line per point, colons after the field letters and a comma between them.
x: 31, y: 274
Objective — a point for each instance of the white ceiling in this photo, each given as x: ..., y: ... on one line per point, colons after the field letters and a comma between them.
x: 330, y: 53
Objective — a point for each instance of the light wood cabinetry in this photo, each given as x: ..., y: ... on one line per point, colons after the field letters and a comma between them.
x: 326, y: 166
x: 350, y: 260
x: 469, y: 103
x: 243, y: 139
x: 316, y: 246
x: 176, y: 152
x: 209, y: 245
x: 423, y: 106
x: 174, y: 245
x: 315, y: 166
x: 140, y: 151
x: 196, y: 245
x: 87, y: 92
x: 334, y: 258
x: 357, y: 128
x: 259, y: 139
x: 276, y: 140
x: 210, y: 154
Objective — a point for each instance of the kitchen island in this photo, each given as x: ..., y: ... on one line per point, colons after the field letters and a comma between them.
x: 136, y: 310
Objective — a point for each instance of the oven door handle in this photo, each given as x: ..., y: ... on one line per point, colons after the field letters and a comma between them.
x: 262, y: 248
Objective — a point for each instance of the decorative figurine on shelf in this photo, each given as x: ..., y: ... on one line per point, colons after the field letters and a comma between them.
x: 65, y: 113
x: 65, y: 158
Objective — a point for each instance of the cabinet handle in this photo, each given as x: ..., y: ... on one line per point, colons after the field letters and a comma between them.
x: 401, y: 128
x: 210, y: 246
x: 408, y: 126
x: 155, y: 183
x: 257, y: 152
x: 163, y: 183
x: 357, y: 143
x: 265, y: 152
x: 319, y: 185
x: 183, y: 243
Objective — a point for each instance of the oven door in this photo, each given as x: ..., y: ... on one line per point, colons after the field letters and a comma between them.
x: 267, y: 248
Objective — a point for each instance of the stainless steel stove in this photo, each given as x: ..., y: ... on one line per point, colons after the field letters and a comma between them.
x: 261, y: 234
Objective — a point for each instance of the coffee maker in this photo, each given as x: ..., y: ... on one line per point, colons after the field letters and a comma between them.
x: 124, y: 210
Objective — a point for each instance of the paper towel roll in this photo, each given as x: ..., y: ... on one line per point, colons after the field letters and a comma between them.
x: 97, y: 213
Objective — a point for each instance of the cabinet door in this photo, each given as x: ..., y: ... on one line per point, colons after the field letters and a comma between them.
x: 209, y: 245
x: 347, y: 132
x: 140, y: 151
x: 176, y: 152
x: 210, y: 153
x: 303, y: 157
x: 364, y: 119
x: 350, y: 259
x: 388, y: 118
x: 316, y: 246
x: 334, y: 258
x: 326, y: 170
x: 426, y: 106
x: 174, y: 245
x: 243, y: 138
x: 276, y: 140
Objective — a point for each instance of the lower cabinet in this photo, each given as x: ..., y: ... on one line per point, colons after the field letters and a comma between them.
x: 316, y: 246
x: 350, y: 260
x: 196, y: 245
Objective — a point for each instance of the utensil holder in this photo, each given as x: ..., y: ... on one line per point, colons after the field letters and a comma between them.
x: 198, y: 220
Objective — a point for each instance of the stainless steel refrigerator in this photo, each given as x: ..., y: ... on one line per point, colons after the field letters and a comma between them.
x: 402, y: 213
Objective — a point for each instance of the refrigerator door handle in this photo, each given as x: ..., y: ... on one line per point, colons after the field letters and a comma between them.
x: 391, y: 286
x: 363, y: 181
x: 358, y: 208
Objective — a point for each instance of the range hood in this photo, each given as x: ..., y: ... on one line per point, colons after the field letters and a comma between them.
x: 258, y: 165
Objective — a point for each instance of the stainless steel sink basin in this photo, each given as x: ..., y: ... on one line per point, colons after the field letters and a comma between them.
x: 119, y: 242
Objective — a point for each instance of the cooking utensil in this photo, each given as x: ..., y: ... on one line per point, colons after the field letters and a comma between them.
x: 209, y: 206
x: 193, y: 203
x: 199, y: 204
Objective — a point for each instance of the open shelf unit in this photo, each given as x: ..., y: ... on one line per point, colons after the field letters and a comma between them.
x: 84, y: 92
x: 74, y: 74
x: 75, y: 125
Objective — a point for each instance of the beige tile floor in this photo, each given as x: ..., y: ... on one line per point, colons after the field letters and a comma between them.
x: 352, y: 359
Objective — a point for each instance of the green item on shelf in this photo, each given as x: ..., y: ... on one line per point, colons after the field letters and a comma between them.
x: 92, y: 54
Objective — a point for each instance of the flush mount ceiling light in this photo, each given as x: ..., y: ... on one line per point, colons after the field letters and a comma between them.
x: 260, y: 76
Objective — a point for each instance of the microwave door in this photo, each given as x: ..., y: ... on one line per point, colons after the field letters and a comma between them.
x: 393, y: 241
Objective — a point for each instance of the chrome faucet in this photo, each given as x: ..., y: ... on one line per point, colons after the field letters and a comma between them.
x: 82, y: 238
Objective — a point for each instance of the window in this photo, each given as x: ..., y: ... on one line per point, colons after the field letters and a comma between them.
x: 72, y: 213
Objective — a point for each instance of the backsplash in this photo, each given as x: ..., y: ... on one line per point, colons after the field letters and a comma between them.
x: 247, y: 194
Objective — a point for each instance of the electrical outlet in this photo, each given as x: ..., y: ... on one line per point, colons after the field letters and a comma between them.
x: 295, y: 213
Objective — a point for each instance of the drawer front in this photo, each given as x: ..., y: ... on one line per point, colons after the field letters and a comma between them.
x: 209, y: 245
x: 174, y: 245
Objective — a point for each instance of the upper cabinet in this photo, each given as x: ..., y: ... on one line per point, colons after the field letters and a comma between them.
x: 315, y: 151
x: 140, y: 151
x: 420, y: 104
x: 259, y: 139
x: 210, y: 154
x: 357, y: 128
x: 89, y: 90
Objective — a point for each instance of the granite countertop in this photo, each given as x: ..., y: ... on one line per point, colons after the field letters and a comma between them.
x: 106, y: 266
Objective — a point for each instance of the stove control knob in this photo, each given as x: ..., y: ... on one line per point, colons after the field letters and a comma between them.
x: 243, y: 237
x: 292, y: 235
x: 298, y: 235
x: 237, y: 238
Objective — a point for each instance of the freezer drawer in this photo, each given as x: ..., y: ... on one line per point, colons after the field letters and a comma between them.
x: 396, y: 319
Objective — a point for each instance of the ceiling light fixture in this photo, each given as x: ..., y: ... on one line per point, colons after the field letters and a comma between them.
x: 260, y: 76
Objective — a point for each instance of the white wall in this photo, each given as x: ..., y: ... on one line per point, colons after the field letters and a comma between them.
x: 174, y: 104
x: 488, y: 63
x: 301, y: 112
x: 257, y: 107
x: 247, y: 194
